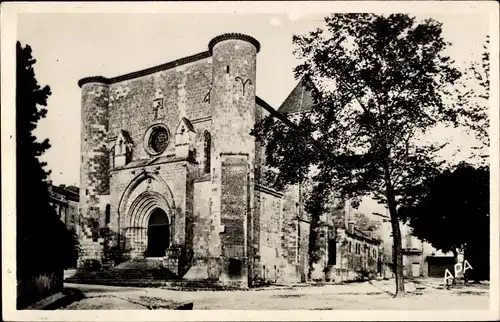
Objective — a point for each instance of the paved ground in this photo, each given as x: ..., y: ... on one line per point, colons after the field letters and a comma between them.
x: 373, y: 295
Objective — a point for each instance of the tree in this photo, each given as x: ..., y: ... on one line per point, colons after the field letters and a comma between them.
x: 378, y: 85
x: 42, y: 239
x: 452, y: 212
x: 365, y: 224
x: 473, y: 98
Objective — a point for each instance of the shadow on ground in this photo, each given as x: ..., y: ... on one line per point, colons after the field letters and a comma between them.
x: 71, y: 295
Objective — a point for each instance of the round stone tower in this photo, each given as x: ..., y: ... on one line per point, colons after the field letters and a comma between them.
x: 233, y: 117
x: 94, y: 169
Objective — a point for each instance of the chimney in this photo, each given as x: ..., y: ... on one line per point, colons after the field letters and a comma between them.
x: 350, y: 226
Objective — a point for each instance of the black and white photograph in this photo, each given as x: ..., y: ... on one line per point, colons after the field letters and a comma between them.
x: 298, y: 160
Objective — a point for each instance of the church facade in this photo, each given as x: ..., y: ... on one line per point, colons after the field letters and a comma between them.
x: 170, y: 171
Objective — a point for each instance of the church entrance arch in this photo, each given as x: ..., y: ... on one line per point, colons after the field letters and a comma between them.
x: 158, y: 234
x: 146, y: 217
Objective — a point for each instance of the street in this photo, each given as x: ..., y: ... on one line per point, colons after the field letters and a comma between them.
x: 372, y: 295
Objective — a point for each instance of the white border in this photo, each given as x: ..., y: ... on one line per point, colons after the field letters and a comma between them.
x: 9, y: 12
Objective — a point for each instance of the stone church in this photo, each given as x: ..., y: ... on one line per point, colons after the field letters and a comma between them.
x: 170, y: 172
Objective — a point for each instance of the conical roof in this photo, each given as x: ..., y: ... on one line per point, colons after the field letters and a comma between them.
x: 299, y: 100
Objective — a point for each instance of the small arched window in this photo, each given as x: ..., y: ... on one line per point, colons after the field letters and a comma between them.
x: 207, y: 143
x: 108, y: 214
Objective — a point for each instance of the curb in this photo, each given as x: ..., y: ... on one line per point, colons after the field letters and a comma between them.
x: 57, y: 300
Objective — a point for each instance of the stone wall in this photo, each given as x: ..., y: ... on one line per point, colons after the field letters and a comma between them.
x: 233, y: 117
x: 94, y: 166
x: 269, y: 259
x: 202, y: 220
x: 179, y: 90
x: 283, y: 240
x: 352, y: 265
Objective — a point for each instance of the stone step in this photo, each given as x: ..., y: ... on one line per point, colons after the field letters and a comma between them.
x: 169, y: 284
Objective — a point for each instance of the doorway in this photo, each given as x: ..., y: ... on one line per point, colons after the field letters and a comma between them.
x: 158, y: 234
x: 415, y: 269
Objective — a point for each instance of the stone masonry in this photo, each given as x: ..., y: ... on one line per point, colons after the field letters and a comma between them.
x: 169, y: 170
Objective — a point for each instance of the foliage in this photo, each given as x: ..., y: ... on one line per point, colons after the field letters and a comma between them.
x: 363, y: 274
x: 43, y: 242
x: 379, y: 84
x: 452, y: 211
x: 365, y: 224
x: 71, y: 247
x: 91, y: 265
x: 472, y: 97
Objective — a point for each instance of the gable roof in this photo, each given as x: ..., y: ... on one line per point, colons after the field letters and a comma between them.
x: 188, y: 124
x: 126, y: 136
x: 299, y: 100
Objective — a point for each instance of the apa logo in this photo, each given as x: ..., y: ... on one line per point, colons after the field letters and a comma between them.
x: 457, y: 268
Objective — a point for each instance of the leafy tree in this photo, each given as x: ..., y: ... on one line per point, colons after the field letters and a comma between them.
x: 452, y: 212
x: 378, y: 84
x: 365, y: 224
x: 472, y: 96
x: 42, y: 239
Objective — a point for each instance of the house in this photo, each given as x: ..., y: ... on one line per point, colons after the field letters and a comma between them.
x: 64, y: 199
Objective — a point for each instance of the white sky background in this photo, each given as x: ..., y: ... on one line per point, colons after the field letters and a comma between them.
x: 68, y: 47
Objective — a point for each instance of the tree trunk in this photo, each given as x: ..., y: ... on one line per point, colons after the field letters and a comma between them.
x: 466, y: 274
x: 397, y: 254
x: 455, y: 261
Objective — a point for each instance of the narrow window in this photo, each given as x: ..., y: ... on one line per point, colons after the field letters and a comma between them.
x: 350, y: 248
x: 227, y: 69
x: 207, y: 152
x: 108, y: 214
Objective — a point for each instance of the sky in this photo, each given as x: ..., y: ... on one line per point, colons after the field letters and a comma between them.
x: 68, y: 47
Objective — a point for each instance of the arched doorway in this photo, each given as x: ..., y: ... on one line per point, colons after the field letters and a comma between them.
x: 158, y: 234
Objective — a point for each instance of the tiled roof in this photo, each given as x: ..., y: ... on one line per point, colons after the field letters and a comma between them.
x: 70, y: 192
x: 361, y: 235
x: 73, y: 189
x: 299, y: 100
